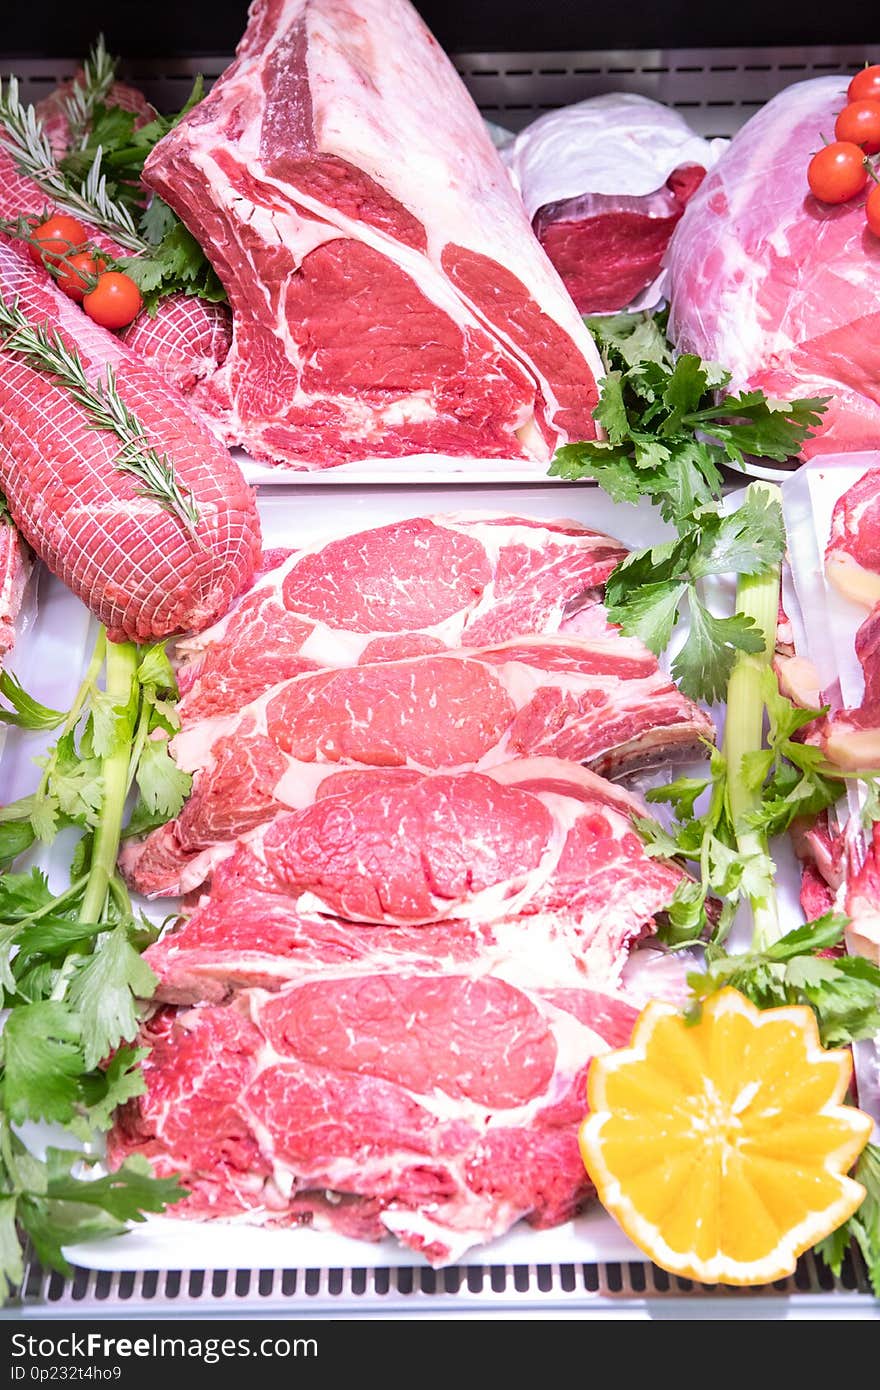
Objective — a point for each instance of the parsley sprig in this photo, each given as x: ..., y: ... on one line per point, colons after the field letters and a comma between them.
x: 668, y: 439
x: 71, y: 971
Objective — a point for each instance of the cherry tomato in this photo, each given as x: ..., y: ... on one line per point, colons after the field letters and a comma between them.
x: 837, y: 173
x: 77, y: 275
x: 872, y: 209
x: 54, y: 237
x: 114, y: 301
x: 859, y: 123
x: 865, y: 86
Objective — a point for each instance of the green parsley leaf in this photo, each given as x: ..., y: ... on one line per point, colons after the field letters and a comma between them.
x: 42, y: 1063
x: 26, y: 712
x: 163, y: 786
x: 702, y: 667
x: 103, y: 992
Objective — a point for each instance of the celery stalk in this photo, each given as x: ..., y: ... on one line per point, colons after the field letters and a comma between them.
x: 757, y: 595
x: 121, y: 666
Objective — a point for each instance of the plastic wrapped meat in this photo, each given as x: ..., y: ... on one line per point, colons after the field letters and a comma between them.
x: 605, y: 183
x: 783, y: 289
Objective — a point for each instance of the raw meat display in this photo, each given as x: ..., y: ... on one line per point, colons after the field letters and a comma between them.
x: 185, y: 340
x: 418, y: 585
x: 604, y: 183
x: 388, y: 295
x: 441, y: 1107
x: 134, y: 563
x: 602, y: 702
x: 14, y: 570
x: 782, y: 289
x: 53, y: 110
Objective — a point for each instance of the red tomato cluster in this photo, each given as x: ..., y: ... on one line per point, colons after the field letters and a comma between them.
x: 840, y: 171
x: 109, y: 297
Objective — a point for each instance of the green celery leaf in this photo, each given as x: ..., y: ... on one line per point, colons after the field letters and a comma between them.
x: 42, y: 1062
x: 125, y: 1194
x: 11, y: 1262
x: 156, y: 222
x: 750, y: 424
x: 155, y: 669
x: 634, y: 338
x: 650, y: 613
x: 15, y: 838
x: 612, y: 468
x: 681, y: 794
x: 686, y: 389
x: 611, y: 410
x: 821, y: 935
x: 104, y: 1091
x: 702, y: 667
x: 26, y: 713
x: 163, y: 786
x: 24, y: 893
x: 103, y: 991
x: 746, y: 541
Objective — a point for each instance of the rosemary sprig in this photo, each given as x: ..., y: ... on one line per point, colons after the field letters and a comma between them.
x: 47, y: 352
x: 89, y: 90
x: 22, y: 133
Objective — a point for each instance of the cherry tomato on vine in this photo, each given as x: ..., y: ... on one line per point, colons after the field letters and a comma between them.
x: 865, y: 85
x: 55, y: 237
x: 837, y: 172
x: 872, y: 209
x: 77, y: 275
x: 114, y: 301
x: 859, y: 123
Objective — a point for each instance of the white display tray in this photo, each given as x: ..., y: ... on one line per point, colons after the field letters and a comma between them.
x: 416, y: 470
x: 49, y: 660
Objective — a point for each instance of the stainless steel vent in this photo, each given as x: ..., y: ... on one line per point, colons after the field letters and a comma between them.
x: 565, y: 1289
x: 716, y: 88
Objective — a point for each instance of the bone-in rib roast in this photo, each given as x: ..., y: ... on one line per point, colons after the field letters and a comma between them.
x: 388, y: 295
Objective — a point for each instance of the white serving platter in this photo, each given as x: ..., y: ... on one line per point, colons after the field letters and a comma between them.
x: 49, y: 660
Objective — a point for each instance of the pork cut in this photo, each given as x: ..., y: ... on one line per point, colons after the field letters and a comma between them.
x: 418, y: 585
x: 604, y: 183
x: 602, y: 702
x: 186, y: 339
x: 135, y: 564
x: 440, y: 1108
x: 15, y: 567
x: 388, y: 295
x: 780, y: 288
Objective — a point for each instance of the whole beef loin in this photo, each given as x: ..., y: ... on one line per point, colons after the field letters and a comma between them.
x: 783, y: 289
x: 131, y: 561
x: 388, y: 295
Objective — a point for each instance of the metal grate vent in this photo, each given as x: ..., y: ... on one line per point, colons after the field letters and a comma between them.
x: 716, y: 88
x: 586, y: 1288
